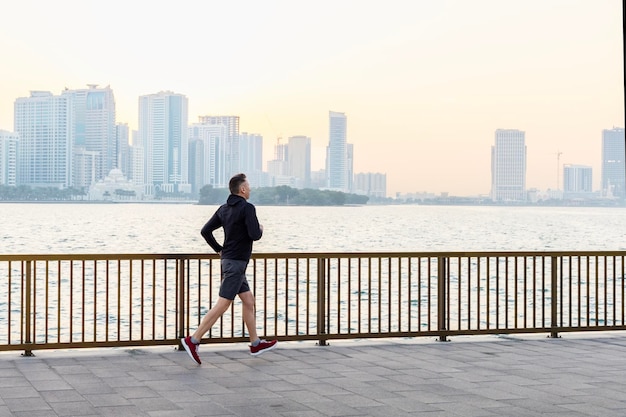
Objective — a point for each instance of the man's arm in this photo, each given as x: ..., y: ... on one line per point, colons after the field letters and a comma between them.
x: 207, y: 232
x: 255, y: 230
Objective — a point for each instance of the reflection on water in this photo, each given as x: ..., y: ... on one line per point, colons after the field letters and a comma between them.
x: 175, y: 228
x: 129, y: 307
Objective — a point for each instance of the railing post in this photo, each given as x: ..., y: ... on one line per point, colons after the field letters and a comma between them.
x: 554, y: 299
x: 28, y: 314
x: 321, y: 301
x: 441, y: 297
x: 181, y: 301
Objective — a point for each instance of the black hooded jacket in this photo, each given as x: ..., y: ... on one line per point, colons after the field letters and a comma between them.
x: 241, y: 228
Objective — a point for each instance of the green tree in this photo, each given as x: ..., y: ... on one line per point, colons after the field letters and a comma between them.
x: 285, y: 193
x: 211, y: 196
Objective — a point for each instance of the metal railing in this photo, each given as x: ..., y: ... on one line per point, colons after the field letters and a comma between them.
x: 72, y: 301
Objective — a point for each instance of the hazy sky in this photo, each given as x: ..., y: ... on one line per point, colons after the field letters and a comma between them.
x: 424, y: 83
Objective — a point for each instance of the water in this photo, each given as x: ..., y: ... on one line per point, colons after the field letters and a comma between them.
x: 175, y: 228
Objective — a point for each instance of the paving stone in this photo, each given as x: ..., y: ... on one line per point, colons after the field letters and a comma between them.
x: 471, y: 376
x: 154, y: 404
x: 121, y: 411
x: 31, y: 404
x: 68, y: 395
x: 12, y: 381
x: 35, y: 413
x: 50, y: 384
x: 106, y: 400
x: 18, y: 392
x: 77, y: 408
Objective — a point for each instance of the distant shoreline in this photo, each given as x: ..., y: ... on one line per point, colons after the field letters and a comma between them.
x: 571, y: 204
x: 191, y: 202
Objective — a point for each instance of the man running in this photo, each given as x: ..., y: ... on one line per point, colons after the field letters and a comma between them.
x: 241, y: 228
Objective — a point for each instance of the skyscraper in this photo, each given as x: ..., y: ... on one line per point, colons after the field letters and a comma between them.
x: 9, y: 143
x: 44, y: 123
x: 350, y: 167
x: 137, y: 156
x: 122, y: 139
x: 299, y: 160
x: 278, y: 168
x: 577, y: 180
x: 337, y: 152
x: 85, y: 167
x: 93, y: 129
x: 163, y: 133
x: 231, y: 146
x: 508, y: 166
x: 207, y: 164
x: 251, y: 157
x: 613, y: 176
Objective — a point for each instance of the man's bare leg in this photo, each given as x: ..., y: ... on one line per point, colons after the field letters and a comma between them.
x: 211, y: 317
x: 247, y: 301
x: 257, y: 345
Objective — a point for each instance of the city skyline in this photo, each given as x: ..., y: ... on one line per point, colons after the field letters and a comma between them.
x: 423, y: 84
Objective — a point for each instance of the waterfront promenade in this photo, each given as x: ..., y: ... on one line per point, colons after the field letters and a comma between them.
x: 523, y: 375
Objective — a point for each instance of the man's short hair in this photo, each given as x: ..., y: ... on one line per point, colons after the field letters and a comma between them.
x: 235, y: 183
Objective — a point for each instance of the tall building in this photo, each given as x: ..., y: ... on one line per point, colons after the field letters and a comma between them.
x: 9, y: 142
x: 163, y: 132
x: 371, y: 184
x: 299, y: 160
x: 44, y: 124
x: 337, y: 153
x: 122, y: 139
x: 613, y: 168
x: 207, y: 157
x: 85, y: 168
x: 251, y: 157
x: 577, y: 180
x: 196, y: 164
x: 231, y: 146
x: 137, y: 156
x: 93, y: 128
x: 508, y: 166
x: 278, y: 168
x: 350, y: 166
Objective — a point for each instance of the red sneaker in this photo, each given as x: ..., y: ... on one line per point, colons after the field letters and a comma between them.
x: 191, y: 348
x: 263, y: 346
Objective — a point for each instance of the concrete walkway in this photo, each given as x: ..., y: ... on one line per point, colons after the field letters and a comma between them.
x: 576, y: 375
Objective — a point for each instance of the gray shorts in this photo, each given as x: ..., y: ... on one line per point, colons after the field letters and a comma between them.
x: 233, y: 278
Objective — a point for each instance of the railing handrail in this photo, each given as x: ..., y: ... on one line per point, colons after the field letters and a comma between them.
x: 283, y: 255
x: 321, y: 295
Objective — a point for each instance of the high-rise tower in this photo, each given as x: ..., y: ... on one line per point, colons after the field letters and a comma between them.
x: 299, y: 160
x: 206, y: 155
x: 93, y: 130
x: 337, y: 152
x: 9, y: 142
x: 577, y: 180
x: 613, y: 176
x: 44, y: 123
x: 122, y: 139
x: 251, y: 157
x: 231, y: 146
x: 163, y: 133
x: 508, y: 166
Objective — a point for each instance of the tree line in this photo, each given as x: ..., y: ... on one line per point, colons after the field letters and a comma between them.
x: 27, y: 193
x: 284, y: 195
x: 281, y: 195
